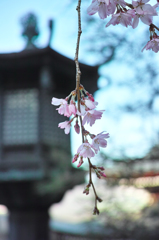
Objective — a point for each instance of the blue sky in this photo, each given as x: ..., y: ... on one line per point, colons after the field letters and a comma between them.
x: 128, y: 133
x: 10, y: 27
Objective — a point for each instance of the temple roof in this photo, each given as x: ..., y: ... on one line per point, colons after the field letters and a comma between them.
x: 59, y: 64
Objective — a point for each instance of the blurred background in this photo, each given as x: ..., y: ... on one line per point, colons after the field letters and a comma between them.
x: 38, y: 184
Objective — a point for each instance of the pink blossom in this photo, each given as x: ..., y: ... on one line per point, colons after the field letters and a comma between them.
x: 85, y: 150
x: 122, y: 18
x: 147, y: 19
x: 99, y: 141
x: 135, y: 21
x: 65, y: 125
x: 90, y: 104
x: 85, y: 105
x: 152, y: 44
x: 72, y: 108
x: 91, y: 116
x: 58, y: 101
x: 82, y: 108
x: 63, y: 109
x: 103, y: 7
x: 111, y: 6
x: 93, y: 8
x: 131, y: 12
x: 144, y: 9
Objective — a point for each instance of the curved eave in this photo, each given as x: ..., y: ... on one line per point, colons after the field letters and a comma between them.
x: 38, y: 58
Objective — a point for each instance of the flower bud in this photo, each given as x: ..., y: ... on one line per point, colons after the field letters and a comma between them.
x: 80, y: 162
x: 90, y: 96
x: 75, y: 158
x: 95, y: 211
x: 86, y: 190
x: 101, y: 168
x: 102, y: 174
x: 77, y: 127
x: 99, y: 199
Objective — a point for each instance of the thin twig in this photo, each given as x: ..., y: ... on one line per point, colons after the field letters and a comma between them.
x: 91, y: 182
x: 78, y: 76
x: 78, y: 71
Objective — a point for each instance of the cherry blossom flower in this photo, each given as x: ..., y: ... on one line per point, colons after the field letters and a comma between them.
x: 147, y: 19
x: 65, y: 125
x: 91, y: 116
x: 85, y: 150
x: 58, y: 101
x: 90, y: 104
x: 144, y: 9
x: 122, y: 18
x: 99, y: 141
x: 93, y: 8
x: 103, y: 7
x: 85, y: 105
x: 72, y: 108
x: 63, y: 109
x: 152, y: 44
x: 111, y: 6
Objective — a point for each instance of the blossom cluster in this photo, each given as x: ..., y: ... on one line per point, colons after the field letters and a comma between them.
x: 128, y: 14
x: 81, y: 114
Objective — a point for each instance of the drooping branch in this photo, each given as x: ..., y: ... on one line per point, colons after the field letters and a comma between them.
x: 78, y: 88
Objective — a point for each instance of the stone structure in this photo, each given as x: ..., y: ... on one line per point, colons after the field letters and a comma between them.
x: 35, y: 158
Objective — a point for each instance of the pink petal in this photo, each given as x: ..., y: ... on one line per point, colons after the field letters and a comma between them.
x: 139, y: 10
x: 145, y: 1
x: 57, y: 101
x: 93, y: 8
x: 135, y: 22
x: 102, y: 11
x: 148, y: 9
x: 63, y: 124
x: 90, y: 104
x: 147, y: 19
x: 67, y: 129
